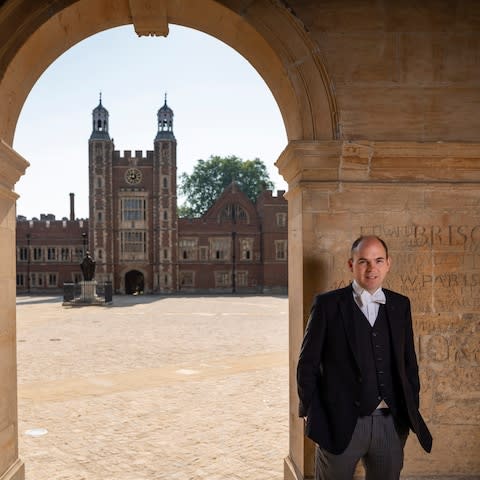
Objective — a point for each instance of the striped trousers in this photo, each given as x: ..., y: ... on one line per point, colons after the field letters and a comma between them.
x: 376, y: 442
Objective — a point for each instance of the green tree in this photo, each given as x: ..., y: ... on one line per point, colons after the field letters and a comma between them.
x: 210, y: 177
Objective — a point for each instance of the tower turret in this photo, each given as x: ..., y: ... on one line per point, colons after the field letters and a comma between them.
x: 100, y: 180
x: 165, y: 122
x: 100, y: 122
x: 164, y: 202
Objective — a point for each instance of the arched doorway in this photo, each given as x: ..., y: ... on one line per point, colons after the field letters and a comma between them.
x: 134, y: 282
x: 33, y: 38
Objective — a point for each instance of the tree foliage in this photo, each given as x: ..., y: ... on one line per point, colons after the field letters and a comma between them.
x: 210, y: 177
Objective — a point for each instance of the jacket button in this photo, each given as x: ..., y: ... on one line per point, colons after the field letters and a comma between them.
x: 359, y: 379
x: 356, y: 403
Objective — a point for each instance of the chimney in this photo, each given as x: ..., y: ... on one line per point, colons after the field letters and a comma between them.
x: 72, y: 207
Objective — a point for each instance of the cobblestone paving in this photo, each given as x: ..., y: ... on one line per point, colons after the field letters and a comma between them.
x: 154, y: 388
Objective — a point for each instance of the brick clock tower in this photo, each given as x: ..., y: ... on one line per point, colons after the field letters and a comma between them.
x: 133, y: 209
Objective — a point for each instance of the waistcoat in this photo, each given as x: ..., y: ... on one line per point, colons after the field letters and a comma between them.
x: 376, y: 367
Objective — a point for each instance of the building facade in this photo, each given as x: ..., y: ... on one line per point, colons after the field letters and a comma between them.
x: 136, y: 238
x: 49, y: 252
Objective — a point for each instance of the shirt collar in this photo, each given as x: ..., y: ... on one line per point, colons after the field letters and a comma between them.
x: 364, y: 297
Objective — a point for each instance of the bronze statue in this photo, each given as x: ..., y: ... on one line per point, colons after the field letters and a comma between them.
x: 88, y: 267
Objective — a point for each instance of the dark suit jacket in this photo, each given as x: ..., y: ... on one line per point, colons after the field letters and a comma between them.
x: 328, y: 373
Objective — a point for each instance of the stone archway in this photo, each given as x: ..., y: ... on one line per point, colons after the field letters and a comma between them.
x: 36, y: 33
x: 308, y: 113
x: 134, y: 282
x: 399, y: 157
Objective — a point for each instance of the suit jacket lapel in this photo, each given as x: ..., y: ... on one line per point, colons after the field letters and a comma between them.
x: 347, y: 306
x: 395, y: 325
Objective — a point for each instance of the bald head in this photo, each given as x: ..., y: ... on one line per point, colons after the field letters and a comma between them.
x: 368, y: 239
x: 369, y: 262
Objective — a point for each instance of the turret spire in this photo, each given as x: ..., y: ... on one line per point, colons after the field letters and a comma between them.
x: 165, y: 122
x: 100, y: 122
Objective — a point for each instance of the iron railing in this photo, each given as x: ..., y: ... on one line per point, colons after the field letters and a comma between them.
x: 95, y: 294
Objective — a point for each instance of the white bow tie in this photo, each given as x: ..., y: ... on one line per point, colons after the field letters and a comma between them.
x: 377, y: 297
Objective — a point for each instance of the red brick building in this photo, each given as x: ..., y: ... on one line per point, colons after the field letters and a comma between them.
x: 138, y: 241
x: 237, y: 246
x: 49, y: 252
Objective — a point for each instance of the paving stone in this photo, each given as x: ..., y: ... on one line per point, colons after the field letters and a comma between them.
x: 154, y: 388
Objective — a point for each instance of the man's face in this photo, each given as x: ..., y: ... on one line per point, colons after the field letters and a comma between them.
x: 369, y: 264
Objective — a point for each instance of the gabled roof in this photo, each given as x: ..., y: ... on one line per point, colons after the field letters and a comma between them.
x: 231, y: 195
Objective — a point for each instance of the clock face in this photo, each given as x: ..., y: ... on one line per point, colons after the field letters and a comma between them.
x: 133, y: 176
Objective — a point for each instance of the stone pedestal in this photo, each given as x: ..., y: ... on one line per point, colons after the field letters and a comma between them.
x: 88, y: 291
x: 423, y: 200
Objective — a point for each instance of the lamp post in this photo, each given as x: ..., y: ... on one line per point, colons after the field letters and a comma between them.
x: 84, y: 237
x: 234, y: 273
x: 234, y: 235
x: 28, y: 236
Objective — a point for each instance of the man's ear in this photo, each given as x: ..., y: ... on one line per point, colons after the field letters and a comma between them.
x: 350, y: 264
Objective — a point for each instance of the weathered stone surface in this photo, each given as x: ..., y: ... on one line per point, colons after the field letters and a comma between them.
x: 149, y: 18
x: 396, y: 81
x: 391, y: 66
x: 435, y: 261
x: 8, y: 370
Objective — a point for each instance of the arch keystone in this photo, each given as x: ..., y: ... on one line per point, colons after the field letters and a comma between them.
x: 149, y: 17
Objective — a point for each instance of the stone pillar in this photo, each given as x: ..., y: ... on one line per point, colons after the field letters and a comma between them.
x: 423, y: 200
x: 12, y: 166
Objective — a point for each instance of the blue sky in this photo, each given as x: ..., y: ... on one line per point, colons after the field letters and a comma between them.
x: 221, y: 105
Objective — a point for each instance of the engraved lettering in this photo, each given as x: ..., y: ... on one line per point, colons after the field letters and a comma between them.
x: 442, y: 348
x: 426, y: 279
x: 465, y: 236
x: 339, y: 284
x: 461, y: 233
x: 421, y: 238
x: 407, y: 279
x: 437, y: 348
x: 435, y: 235
x: 475, y: 235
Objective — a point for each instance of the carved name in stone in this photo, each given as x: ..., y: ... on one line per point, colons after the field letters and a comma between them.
x: 465, y: 236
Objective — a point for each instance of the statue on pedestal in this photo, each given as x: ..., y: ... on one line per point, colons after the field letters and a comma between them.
x: 88, y: 267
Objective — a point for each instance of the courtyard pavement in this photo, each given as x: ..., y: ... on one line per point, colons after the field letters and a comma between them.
x: 153, y: 388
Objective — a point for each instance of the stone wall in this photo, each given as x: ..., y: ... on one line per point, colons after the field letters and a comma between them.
x: 422, y: 199
x: 401, y: 70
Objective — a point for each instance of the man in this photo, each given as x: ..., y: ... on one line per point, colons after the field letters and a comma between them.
x: 357, y: 373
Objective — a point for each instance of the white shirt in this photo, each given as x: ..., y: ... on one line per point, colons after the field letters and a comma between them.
x: 368, y: 303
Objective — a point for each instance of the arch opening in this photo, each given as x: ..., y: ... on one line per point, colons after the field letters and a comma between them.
x: 307, y: 114
x: 155, y: 66
x: 134, y: 283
